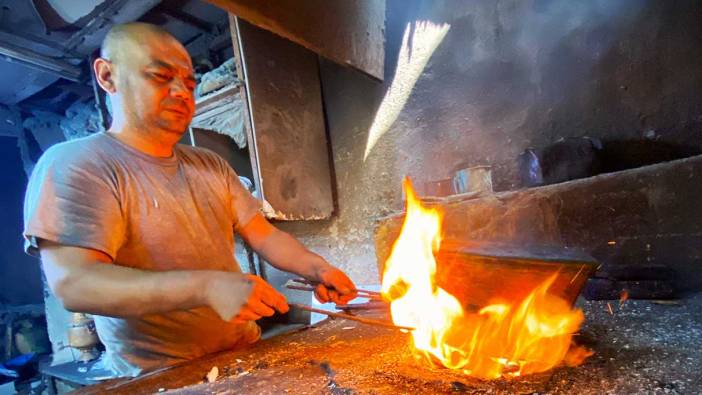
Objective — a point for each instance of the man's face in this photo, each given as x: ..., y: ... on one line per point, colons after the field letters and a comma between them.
x: 157, y: 86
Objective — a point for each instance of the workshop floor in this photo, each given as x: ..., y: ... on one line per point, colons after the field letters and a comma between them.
x: 640, y: 347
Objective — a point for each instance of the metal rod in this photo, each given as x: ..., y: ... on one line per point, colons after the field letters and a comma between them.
x: 364, y: 306
x: 360, y: 291
x: 367, y: 321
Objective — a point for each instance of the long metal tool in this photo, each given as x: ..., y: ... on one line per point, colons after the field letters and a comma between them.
x: 361, y: 292
x: 367, y: 321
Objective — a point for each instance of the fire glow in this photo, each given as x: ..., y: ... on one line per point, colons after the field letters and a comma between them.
x: 499, y: 340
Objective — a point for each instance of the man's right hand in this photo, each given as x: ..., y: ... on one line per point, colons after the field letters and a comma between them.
x: 243, y: 297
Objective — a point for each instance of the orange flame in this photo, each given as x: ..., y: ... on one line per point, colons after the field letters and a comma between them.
x: 500, y: 340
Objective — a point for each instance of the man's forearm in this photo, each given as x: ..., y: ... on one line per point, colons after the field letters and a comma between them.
x: 112, y: 290
x: 286, y: 253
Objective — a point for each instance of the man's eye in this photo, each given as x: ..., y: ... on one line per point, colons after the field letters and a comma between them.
x: 161, y: 77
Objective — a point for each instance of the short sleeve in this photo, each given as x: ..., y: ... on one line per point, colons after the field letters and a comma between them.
x: 72, y: 201
x: 244, y: 205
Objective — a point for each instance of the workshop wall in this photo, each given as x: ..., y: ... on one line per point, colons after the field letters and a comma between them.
x: 20, y: 282
x: 507, y: 75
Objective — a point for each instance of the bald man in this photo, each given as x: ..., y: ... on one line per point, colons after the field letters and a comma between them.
x: 139, y: 231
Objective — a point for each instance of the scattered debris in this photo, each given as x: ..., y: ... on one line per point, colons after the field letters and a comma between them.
x: 645, y: 348
x: 212, y: 375
x: 261, y: 365
x: 457, y: 386
x: 326, y: 367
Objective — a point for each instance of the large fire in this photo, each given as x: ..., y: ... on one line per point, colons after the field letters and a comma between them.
x: 500, y: 340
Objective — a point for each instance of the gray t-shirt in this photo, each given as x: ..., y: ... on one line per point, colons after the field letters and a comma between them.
x: 147, y: 213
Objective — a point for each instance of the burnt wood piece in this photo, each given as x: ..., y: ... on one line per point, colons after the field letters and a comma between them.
x: 288, y: 133
x: 604, y: 289
x: 658, y: 206
x: 346, y: 32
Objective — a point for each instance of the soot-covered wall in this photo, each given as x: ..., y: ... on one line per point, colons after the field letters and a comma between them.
x: 505, y: 75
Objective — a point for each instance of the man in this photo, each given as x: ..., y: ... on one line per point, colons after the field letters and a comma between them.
x: 138, y: 230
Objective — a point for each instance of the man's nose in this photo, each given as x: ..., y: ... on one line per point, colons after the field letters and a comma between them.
x: 180, y: 90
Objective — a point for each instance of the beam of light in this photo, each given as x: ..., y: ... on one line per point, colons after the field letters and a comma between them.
x: 419, y: 42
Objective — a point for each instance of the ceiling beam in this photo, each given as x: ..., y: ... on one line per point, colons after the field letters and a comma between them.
x: 343, y: 31
x: 96, y: 23
x: 30, y: 40
x: 41, y: 62
x: 114, y: 12
x: 190, y: 19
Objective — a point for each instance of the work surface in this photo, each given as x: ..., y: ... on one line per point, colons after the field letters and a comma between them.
x: 640, y: 347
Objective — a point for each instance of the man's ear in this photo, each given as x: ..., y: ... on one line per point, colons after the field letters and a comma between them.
x: 104, y: 75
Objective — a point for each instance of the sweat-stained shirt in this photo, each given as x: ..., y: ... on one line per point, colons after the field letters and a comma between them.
x: 148, y: 213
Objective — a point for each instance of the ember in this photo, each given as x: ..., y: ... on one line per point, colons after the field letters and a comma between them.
x: 623, y: 297
x: 499, y: 340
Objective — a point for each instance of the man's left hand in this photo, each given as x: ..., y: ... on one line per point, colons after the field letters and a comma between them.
x: 334, y: 286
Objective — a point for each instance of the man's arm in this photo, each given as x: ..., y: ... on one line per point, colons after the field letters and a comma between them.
x: 85, y: 280
x: 286, y: 253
